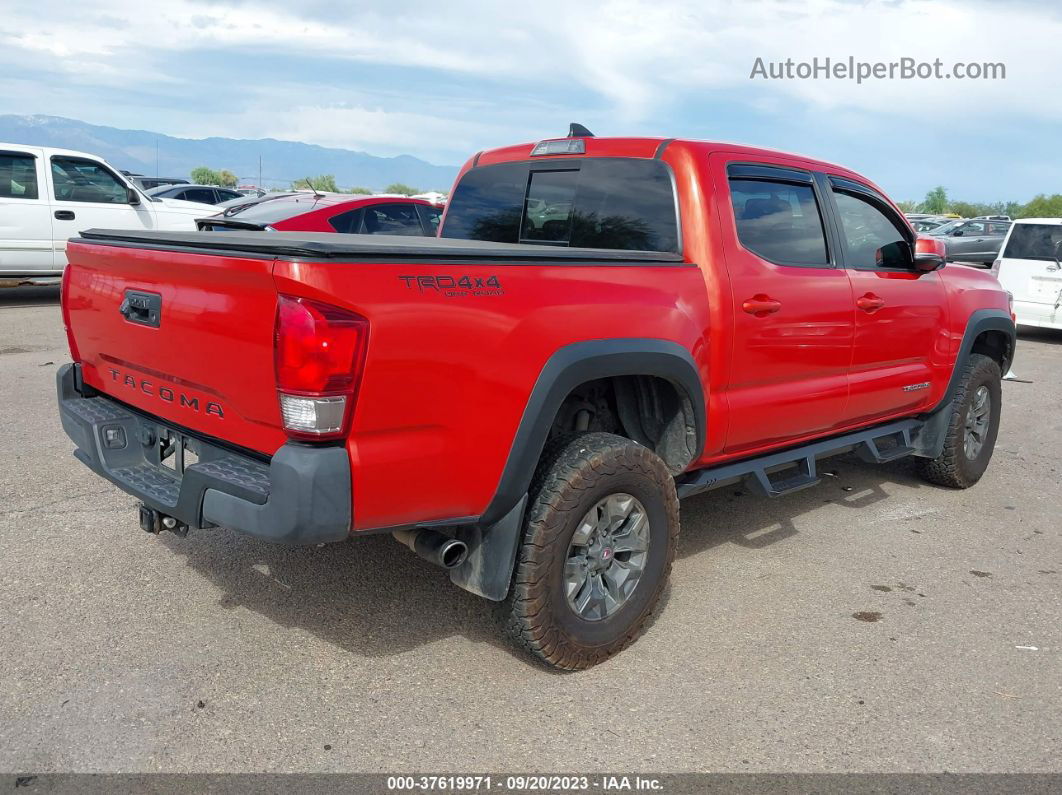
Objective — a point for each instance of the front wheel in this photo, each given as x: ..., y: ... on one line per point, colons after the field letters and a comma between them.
x: 972, y: 427
x: 599, y: 539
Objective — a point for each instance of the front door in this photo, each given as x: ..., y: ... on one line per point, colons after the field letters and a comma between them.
x: 901, y: 335
x: 792, y: 314
x: 86, y: 195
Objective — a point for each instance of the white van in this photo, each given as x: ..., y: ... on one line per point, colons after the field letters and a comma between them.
x: 49, y: 195
x: 1029, y: 268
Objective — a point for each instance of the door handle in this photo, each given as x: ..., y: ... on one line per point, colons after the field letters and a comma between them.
x: 64, y: 215
x: 761, y: 305
x: 870, y: 303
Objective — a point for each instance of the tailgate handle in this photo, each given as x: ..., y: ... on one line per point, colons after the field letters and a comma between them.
x: 144, y: 309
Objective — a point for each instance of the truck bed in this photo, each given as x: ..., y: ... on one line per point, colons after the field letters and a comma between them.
x: 366, y: 248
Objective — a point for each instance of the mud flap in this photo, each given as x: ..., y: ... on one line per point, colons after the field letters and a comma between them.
x: 488, y: 569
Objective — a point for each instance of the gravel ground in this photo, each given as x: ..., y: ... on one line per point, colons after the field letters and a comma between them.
x: 125, y: 652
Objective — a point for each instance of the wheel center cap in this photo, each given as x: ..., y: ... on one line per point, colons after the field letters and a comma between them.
x: 606, y: 554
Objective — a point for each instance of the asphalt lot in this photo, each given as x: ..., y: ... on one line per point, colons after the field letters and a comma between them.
x: 120, y: 651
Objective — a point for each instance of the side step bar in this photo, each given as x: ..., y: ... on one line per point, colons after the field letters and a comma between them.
x: 795, y: 469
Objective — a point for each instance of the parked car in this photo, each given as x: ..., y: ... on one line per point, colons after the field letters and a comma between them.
x: 992, y: 218
x: 48, y: 195
x: 974, y: 240
x: 149, y: 183
x: 929, y: 223
x: 1030, y: 268
x: 527, y: 416
x: 304, y: 211
x: 203, y: 194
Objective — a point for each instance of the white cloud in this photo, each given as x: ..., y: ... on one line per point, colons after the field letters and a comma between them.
x: 632, y: 59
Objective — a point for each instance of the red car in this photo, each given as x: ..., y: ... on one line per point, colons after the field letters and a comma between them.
x: 603, y: 327
x: 329, y: 212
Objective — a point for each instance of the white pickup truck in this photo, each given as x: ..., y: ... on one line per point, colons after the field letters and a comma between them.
x: 49, y: 195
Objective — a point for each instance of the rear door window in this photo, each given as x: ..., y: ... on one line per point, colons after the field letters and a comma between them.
x: 203, y: 195
x: 392, y: 219
x: 18, y: 176
x: 779, y: 221
x: 611, y: 203
x: 1035, y: 241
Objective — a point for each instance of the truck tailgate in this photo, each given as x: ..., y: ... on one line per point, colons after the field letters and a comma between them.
x: 186, y: 337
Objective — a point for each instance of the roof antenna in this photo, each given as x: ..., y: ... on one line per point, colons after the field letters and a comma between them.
x: 576, y: 130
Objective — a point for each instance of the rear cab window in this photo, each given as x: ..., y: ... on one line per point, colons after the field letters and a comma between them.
x: 18, y: 176
x: 1034, y: 241
x: 610, y: 203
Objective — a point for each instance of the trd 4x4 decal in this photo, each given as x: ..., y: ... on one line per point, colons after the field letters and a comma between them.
x: 455, y: 286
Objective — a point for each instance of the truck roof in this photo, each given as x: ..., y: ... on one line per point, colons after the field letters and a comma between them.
x: 646, y: 147
x: 30, y: 149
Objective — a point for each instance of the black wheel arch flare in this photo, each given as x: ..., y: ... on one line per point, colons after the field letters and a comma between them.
x: 571, y: 366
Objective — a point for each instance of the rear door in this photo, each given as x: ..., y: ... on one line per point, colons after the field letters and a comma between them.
x: 25, y: 216
x: 87, y: 194
x: 793, y: 319
x: 901, y: 329
x: 1029, y: 269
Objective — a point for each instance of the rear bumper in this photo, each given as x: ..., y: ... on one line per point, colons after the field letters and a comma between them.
x: 302, y: 496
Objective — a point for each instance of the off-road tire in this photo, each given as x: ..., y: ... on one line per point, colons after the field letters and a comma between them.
x: 571, y: 478
x: 953, y: 467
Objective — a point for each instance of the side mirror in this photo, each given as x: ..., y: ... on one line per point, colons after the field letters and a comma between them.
x: 957, y: 233
x: 897, y: 254
x: 132, y: 197
x: 930, y: 254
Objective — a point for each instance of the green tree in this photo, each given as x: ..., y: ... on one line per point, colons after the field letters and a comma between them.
x: 201, y: 175
x: 936, y: 201
x: 1043, y: 206
x: 361, y: 191
x: 226, y: 179
x: 401, y: 188
x: 908, y: 206
x: 323, y: 183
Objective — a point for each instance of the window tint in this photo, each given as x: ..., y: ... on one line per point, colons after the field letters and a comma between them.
x: 204, y: 195
x: 1035, y: 241
x: 431, y: 216
x: 973, y: 228
x: 613, y: 203
x: 871, y: 239
x: 77, y: 180
x: 18, y: 176
x: 779, y: 221
x: 348, y: 222
x: 392, y: 219
x: 998, y: 229
x: 548, y: 209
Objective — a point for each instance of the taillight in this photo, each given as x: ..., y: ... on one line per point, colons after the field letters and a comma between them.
x: 64, y: 303
x: 319, y: 353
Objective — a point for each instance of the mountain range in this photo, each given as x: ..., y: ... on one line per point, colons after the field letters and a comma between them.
x: 281, y: 161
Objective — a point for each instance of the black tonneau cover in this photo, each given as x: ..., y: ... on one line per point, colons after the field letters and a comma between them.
x: 328, y: 245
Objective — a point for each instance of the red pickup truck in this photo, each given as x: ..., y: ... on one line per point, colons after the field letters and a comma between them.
x: 603, y: 327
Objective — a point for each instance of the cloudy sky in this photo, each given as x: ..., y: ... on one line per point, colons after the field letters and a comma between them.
x: 441, y: 80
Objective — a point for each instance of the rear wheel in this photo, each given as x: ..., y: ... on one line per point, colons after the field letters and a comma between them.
x: 599, y: 539
x: 972, y: 427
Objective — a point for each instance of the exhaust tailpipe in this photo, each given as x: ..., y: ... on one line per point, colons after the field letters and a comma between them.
x: 434, y: 547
